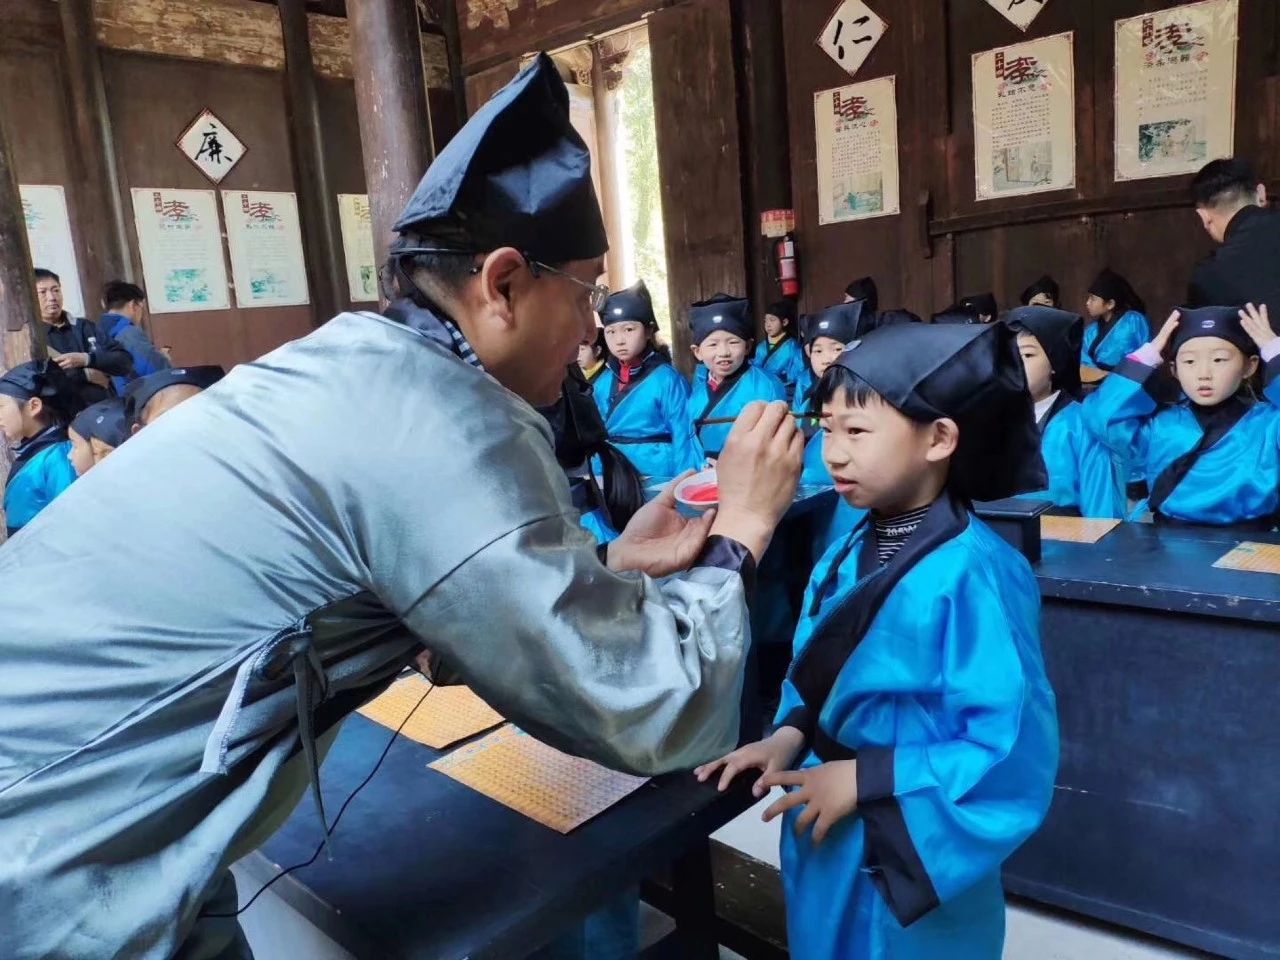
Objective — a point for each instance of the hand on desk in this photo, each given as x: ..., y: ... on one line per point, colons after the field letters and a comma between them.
x: 770, y: 756
x: 828, y: 793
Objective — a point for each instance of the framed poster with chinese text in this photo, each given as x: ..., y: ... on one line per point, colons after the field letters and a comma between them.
x: 181, y: 245
x: 44, y: 213
x: 1175, y: 89
x: 857, y: 148
x: 1024, y: 118
x: 357, y: 246
x: 265, y: 237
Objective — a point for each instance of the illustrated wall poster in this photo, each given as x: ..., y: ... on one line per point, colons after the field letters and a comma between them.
x: 357, y: 245
x: 44, y: 211
x: 1024, y: 118
x: 1175, y: 90
x: 857, y: 151
x: 181, y: 245
x: 267, y: 263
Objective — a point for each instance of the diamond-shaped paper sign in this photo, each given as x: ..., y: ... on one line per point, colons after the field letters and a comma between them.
x: 851, y: 34
x: 211, y: 146
x: 1019, y: 12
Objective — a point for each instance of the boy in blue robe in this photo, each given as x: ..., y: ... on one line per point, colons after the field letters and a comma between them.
x: 779, y: 352
x: 642, y: 398
x: 1117, y: 322
x: 917, y: 733
x: 1213, y: 458
x: 1083, y: 478
x: 828, y: 334
x: 33, y: 423
x: 726, y: 381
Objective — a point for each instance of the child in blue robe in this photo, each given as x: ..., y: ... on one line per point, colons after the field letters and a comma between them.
x: 642, y: 398
x: 1117, y: 322
x: 917, y: 733
x: 1083, y: 477
x: 1212, y: 459
x: 779, y: 352
x: 33, y: 424
x: 96, y: 432
x: 726, y: 381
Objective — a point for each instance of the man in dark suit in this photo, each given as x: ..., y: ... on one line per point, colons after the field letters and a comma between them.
x: 1232, y: 203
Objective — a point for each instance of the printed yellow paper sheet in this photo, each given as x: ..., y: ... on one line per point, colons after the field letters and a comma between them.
x: 447, y: 716
x: 1252, y: 558
x: 556, y: 790
x: 1075, y: 529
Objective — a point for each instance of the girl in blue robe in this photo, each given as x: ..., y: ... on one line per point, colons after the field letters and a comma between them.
x: 1083, y: 478
x: 1117, y: 322
x: 641, y: 396
x: 916, y: 715
x: 32, y: 422
x: 726, y: 381
x: 779, y: 353
x: 1212, y: 459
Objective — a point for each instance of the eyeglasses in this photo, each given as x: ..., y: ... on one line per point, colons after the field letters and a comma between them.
x: 599, y: 292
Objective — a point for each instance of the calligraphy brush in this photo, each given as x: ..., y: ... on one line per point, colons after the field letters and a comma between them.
x: 798, y: 414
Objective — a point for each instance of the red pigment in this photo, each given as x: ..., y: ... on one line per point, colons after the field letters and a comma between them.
x: 703, y: 493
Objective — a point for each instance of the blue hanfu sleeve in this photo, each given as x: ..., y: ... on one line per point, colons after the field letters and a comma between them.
x: 1120, y: 412
x: 940, y: 816
x: 685, y: 450
x: 1084, y: 473
x: 1130, y: 333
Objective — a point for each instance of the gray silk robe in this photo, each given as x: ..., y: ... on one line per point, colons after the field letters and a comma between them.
x: 182, y: 625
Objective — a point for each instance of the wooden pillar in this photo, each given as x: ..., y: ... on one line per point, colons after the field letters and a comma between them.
x: 760, y: 69
x: 106, y: 242
x: 391, y: 100
x: 317, y: 204
x: 606, y: 137
x: 17, y: 286
x: 453, y: 50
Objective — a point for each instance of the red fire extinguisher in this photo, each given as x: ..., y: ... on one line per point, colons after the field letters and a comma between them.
x: 784, y: 257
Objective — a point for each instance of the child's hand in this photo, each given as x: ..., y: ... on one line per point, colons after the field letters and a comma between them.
x: 768, y: 756
x: 1257, y: 324
x: 828, y: 793
x: 1166, y: 332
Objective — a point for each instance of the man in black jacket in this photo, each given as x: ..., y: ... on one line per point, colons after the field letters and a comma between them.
x: 1232, y: 203
x: 77, y: 345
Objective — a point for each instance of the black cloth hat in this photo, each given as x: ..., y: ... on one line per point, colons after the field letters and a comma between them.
x: 1109, y: 285
x: 784, y: 309
x: 140, y: 392
x: 954, y: 314
x: 844, y: 322
x: 633, y: 303
x: 105, y: 421
x: 721, y: 312
x: 1221, y: 322
x: 1046, y: 285
x: 517, y: 174
x: 1061, y: 336
x: 864, y: 288
x: 979, y: 305
x: 972, y: 374
x: 890, y: 317
x: 46, y: 380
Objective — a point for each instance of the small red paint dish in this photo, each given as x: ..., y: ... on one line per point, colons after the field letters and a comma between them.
x: 700, y: 491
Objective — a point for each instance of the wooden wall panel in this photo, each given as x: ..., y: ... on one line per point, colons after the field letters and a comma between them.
x: 151, y: 100
x: 495, y: 30
x: 699, y: 161
x: 481, y: 86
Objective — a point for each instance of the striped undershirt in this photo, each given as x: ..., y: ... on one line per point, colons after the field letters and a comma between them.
x: 893, y: 532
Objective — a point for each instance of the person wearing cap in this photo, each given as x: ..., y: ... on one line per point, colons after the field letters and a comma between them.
x: 830, y: 332
x: 591, y: 357
x: 95, y: 434
x: 1232, y: 203
x: 641, y: 396
x: 153, y: 734
x: 1043, y: 293
x: 864, y: 289
x: 34, y: 407
x: 978, y: 307
x: 1116, y: 323
x: 726, y: 380
x: 1213, y: 458
x: 1083, y: 479
x: 917, y: 734
x: 780, y: 353
x: 151, y: 397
